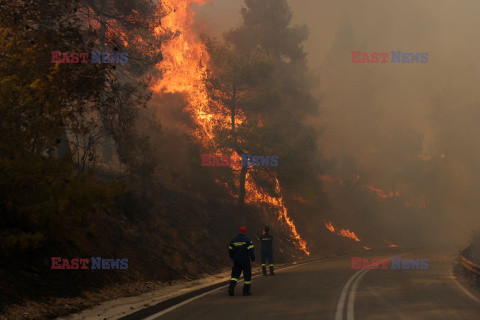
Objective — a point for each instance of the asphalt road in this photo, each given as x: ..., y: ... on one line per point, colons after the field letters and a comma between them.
x: 332, y: 290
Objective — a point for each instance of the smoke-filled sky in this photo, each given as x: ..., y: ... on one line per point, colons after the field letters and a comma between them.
x: 409, y: 127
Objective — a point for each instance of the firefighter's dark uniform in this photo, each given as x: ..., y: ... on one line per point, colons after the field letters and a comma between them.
x: 267, y: 252
x: 241, y: 251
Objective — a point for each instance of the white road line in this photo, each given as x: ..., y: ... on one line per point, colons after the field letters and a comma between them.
x: 465, y: 290
x: 341, y: 301
x: 157, y: 315
x: 351, y: 298
x: 161, y: 313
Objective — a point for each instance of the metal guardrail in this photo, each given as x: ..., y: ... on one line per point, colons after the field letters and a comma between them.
x: 471, y: 270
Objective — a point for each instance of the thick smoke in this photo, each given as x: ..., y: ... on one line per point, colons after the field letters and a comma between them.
x: 406, y: 128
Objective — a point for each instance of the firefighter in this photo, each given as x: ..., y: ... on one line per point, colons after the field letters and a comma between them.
x: 267, y: 251
x: 241, y: 252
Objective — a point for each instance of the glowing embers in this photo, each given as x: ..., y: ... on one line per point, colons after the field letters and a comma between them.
x: 382, y: 194
x: 355, y: 179
x: 342, y: 232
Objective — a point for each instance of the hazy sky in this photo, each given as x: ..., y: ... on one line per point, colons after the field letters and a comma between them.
x: 383, y: 115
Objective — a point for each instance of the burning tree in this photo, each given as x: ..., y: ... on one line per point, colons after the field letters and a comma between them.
x: 268, y: 24
x: 230, y: 93
x: 234, y: 86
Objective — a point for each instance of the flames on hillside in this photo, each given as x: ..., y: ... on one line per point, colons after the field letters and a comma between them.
x: 184, y: 64
x: 342, y: 232
x: 183, y: 69
x: 255, y: 196
x: 381, y: 194
x: 351, y: 235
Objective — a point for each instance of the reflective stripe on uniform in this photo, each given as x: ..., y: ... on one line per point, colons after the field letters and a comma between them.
x: 247, y: 282
x: 230, y: 247
x: 263, y: 264
x: 237, y: 244
x: 250, y: 247
x: 234, y: 279
x: 271, y: 265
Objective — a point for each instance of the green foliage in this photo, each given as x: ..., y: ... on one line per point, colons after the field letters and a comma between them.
x: 13, y: 243
x: 261, y: 73
x: 43, y: 198
x: 29, y: 100
x: 268, y: 23
x: 234, y: 79
x: 235, y: 86
x: 127, y: 26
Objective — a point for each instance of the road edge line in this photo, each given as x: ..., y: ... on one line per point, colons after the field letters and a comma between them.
x: 221, y: 286
x: 343, y: 295
x: 464, y: 289
x: 351, y: 297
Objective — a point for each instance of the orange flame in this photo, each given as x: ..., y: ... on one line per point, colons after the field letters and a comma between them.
x: 255, y: 196
x: 349, y: 234
x: 382, y: 194
x: 343, y: 232
x: 331, y: 179
x: 183, y: 69
x: 184, y: 63
x: 329, y: 226
x: 391, y: 245
x: 355, y: 178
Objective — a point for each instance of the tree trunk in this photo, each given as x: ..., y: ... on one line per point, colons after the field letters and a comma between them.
x: 243, y: 173
x: 63, y: 146
x: 242, y: 192
x: 108, y: 141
